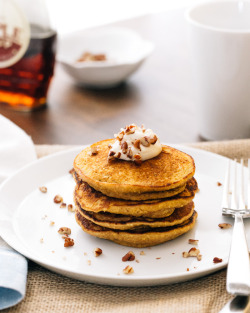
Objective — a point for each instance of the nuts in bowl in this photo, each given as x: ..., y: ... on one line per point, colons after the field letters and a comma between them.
x: 124, y: 52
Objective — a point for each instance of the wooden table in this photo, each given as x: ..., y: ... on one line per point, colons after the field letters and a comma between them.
x: 159, y: 95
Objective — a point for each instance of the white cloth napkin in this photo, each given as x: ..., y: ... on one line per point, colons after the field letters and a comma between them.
x: 16, y: 150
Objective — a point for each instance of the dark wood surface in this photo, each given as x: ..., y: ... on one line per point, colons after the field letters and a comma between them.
x: 159, y: 95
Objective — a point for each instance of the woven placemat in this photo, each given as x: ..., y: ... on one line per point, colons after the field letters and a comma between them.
x: 50, y: 292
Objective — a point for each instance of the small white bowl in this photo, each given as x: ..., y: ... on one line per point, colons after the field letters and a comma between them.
x: 125, y: 51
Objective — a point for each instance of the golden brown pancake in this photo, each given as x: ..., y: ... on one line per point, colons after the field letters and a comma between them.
x: 138, y: 238
x: 169, y: 170
x: 91, y: 200
x: 141, y: 196
x: 123, y: 222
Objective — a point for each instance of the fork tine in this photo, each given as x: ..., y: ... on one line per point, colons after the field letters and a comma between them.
x: 241, y: 185
x: 225, y: 197
x: 234, y: 187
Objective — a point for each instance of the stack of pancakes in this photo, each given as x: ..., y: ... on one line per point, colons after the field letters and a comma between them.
x: 134, y: 205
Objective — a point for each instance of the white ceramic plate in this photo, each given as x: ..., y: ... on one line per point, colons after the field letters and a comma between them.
x: 26, y: 214
x: 125, y: 51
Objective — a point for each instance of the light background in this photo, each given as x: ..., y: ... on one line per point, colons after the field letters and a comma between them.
x: 70, y: 15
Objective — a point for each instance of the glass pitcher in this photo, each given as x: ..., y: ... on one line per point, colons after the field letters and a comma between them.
x: 27, y: 54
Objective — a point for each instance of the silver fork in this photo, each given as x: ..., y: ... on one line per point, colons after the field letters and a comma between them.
x: 238, y: 271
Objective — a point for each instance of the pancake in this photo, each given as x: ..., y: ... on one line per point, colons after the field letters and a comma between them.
x: 91, y: 200
x: 123, y: 222
x: 169, y: 170
x: 136, y: 238
x: 141, y: 196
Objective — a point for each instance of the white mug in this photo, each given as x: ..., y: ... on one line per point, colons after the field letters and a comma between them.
x: 220, y: 42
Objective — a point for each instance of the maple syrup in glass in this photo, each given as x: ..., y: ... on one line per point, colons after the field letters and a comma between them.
x: 24, y: 85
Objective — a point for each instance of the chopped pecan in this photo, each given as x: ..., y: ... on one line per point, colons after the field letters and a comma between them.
x: 71, y: 208
x: 185, y: 254
x: 153, y: 139
x: 130, y: 153
x: 99, y: 57
x: 58, y: 199
x: 137, y: 144
x: 43, y: 189
x: 137, y: 159
x: 130, y: 256
x: 97, y: 252
x: 128, y: 270
x: 64, y: 230
x: 145, y: 141
x: 219, y: 184
x: 193, y: 252
x: 111, y: 155
x: 93, y: 150
x: 217, y: 260
x: 225, y: 225
x: 120, y: 136
x: 193, y: 241
x: 124, y: 147
x: 88, y: 56
x: 130, y: 129
x: 68, y: 242
x: 63, y: 205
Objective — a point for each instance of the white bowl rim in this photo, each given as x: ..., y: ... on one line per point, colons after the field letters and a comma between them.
x: 146, y: 44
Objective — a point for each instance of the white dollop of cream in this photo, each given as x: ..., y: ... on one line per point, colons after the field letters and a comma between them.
x: 135, y: 143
